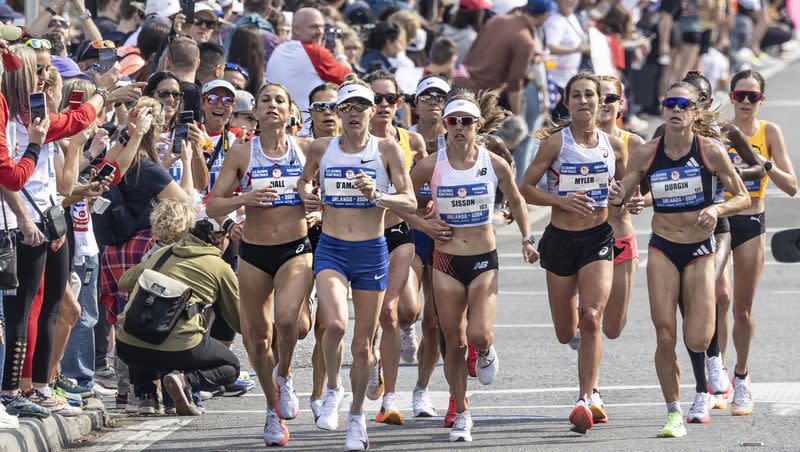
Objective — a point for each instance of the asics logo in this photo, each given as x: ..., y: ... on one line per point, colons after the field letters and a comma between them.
x: 603, y: 251
x: 377, y: 277
x: 480, y: 265
x: 300, y: 248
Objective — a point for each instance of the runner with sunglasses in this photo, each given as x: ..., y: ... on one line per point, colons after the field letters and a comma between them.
x: 576, y: 248
x: 398, y: 314
x: 355, y: 172
x: 463, y: 177
x: 681, y: 169
x: 748, y: 226
x: 275, y: 254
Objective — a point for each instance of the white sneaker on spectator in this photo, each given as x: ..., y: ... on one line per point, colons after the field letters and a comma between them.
x: 133, y: 404
x: 7, y: 421
x: 101, y: 391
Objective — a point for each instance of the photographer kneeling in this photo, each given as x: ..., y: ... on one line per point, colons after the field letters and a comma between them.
x: 162, y: 330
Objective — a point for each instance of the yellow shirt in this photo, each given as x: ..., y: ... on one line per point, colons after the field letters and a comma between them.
x: 758, y: 142
x: 405, y: 144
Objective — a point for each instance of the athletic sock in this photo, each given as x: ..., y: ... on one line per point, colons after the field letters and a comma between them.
x: 673, y: 407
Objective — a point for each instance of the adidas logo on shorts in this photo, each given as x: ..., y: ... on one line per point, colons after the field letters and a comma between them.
x: 702, y: 251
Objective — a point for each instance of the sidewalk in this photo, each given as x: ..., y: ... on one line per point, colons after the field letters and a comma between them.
x: 56, y: 432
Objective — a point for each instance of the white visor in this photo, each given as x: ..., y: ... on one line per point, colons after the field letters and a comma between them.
x: 432, y: 82
x: 462, y: 106
x: 355, y: 91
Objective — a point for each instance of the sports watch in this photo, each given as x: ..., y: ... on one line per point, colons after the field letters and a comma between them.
x: 767, y: 165
x: 529, y: 239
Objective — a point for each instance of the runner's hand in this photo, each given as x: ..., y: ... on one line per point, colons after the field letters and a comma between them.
x: 635, y: 205
x: 311, y: 200
x: 366, y: 184
x: 235, y: 233
x: 260, y: 197
x: 707, y: 220
x: 529, y: 253
x: 313, y: 218
x: 578, y: 203
x: 438, y: 230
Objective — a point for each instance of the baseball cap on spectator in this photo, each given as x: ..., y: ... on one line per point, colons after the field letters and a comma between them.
x: 358, y: 13
x: 418, y: 43
x: 68, y: 68
x: 245, y: 103
x: 10, y: 32
x: 355, y: 91
x: 163, y: 8
x: 538, y: 7
x: 208, y: 5
x: 219, y: 84
x: 469, y: 6
x: 506, y: 6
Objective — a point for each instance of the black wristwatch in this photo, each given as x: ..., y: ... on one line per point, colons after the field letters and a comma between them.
x: 767, y: 165
x: 88, y: 155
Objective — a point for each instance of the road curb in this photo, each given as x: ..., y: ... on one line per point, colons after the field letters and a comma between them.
x: 56, y: 432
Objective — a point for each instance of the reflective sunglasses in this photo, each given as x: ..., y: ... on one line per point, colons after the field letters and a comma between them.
x: 431, y: 98
x: 237, y: 68
x: 681, y: 102
x: 104, y: 44
x: 357, y: 106
x: 611, y: 98
x: 391, y: 98
x: 37, y: 44
x: 53, y: 22
x: 322, y: 106
x: 751, y: 96
x: 209, y: 24
x: 464, y: 120
x: 164, y: 93
x: 215, y: 99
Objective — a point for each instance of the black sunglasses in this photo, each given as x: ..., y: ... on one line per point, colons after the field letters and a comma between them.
x: 210, y: 24
x: 611, y: 98
x: 237, y: 68
x: 680, y: 102
x: 164, y: 93
x: 322, y: 106
x: 391, y: 98
x: 464, y: 120
x: 751, y: 96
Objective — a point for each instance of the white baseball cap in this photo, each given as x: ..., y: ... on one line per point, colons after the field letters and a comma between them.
x: 163, y: 8
x: 355, y: 91
x: 219, y: 84
x: 432, y: 83
x: 462, y: 106
x: 245, y: 103
x: 505, y: 6
x: 208, y: 5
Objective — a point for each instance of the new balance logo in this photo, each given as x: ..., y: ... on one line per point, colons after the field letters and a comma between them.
x: 481, y: 172
x: 480, y: 265
x: 702, y: 251
x: 692, y: 162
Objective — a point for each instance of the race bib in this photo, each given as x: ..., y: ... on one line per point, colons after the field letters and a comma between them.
x: 677, y: 187
x: 589, y: 177
x: 340, y: 190
x: 464, y: 205
x: 424, y: 191
x: 281, y: 178
x: 752, y: 186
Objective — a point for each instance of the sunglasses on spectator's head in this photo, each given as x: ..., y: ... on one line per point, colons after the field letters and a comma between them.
x: 432, y: 97
x: 680, y: 102
x: 39, y: 44
x: 322, y: 106
x: 53, y: 22
x: 360, y: 107
x: 209, y: 24
x: 103, y: 44
x: 464, y: 120
x: 164, y: 93
x: 391, y: 98
x: 237, y: 68
x: 215, y: 99
x: 751, y: 96
x: 610, y: 98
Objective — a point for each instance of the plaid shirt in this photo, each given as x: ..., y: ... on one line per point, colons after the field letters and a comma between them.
x: 117, y: 260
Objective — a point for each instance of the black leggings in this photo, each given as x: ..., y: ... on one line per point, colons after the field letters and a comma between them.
x: 31, y: 262
x: 207, y: 366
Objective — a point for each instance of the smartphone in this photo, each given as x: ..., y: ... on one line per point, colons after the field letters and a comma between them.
x: 186, y: 117
x: 38, y: 106
x: 181, y: 134
x: 100, y: 205
x: 187, y: 7
x: 331, y: 34
x: 75, y: 99
x: 104, y: 172
x: 107, y: 59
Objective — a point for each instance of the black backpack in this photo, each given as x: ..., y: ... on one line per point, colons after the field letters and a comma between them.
x: 116, y: 225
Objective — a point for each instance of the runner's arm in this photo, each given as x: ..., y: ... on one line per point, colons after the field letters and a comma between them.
x: 739, y: 142
x: 782, y: 172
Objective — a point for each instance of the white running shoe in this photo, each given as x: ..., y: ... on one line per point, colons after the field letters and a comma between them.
x: 316, y: 408
x: 132, y: 406
x: 700, y: 411
x: 487, y: 365
x: 422, y: 403
x: 718, y: 381
x: 375, y: 388
x: 288, y: 404
x: 356, y: 432
x: 101, y: 391
x: 408, y: 344
x: 329, y: 414
x: 7, y: 421
x: 275, y: 431
x: 743, y: 402
x: 462, y: 427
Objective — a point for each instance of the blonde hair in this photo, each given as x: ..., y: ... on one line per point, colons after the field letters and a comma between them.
x: 352, y: 79
x: 706, y: 124
x: 75, y: 84
x: 171, y: 220
x: 148, y: 147
x: 408, y: 21
x: 18, y: 85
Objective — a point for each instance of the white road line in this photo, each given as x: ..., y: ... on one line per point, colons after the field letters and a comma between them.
x: 524, y: 325
x: 138, y: 437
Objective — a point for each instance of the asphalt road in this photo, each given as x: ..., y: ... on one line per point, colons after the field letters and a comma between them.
x: 528, y: 403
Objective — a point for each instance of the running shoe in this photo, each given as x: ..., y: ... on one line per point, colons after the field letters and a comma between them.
x: 674, y: 427
x: 487, y: 365
x: 743, y: 402
x: 581, y: 417
x: 121, y: 401
x: 599, y: 415
x: 71, y: 398
x: 575, y: 343
x: 720, y: 402
x: 356, y: 433
x: 7, y: 421
x: 472, y: 358
x: 68, y: 410
x: 699, y: 413
x: 146, y: 404
x: 275, y: 431
x: 375, y: 388
x: 67, y: 385
x: 718, y: 381
x: 422, y: 403
x: 389, y: 413
x: 24, y: 407
x: 409, y: 344
x: 242, y: 384
x: 316, y: 408
x: 205, y: 395
x: 329, y: 414
x: 45, y: 398
x: 106, y: 376
x: 462, y: 426
x: 101, y: 391
x: 132, y: 406
x: 181, y: 394
x: 287, y: 405
x: 450, y: 416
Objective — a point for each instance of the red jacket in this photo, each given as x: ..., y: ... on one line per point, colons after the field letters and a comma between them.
x: 13, y: 175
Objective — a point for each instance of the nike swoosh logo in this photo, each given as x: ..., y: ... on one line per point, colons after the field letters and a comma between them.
x: 350, y: 91
x: 367, y: 161
x: 377, y: 277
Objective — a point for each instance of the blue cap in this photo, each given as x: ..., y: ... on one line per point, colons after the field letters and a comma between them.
x: 538, y: 7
